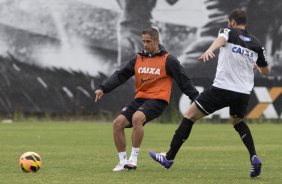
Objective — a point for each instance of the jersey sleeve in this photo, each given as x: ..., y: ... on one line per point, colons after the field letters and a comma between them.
x: 176, y: 70
x: 225, y: 32
x: 261, y: 61
x: 119, y: 77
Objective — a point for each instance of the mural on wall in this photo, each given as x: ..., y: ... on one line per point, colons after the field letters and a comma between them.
x: 54, y: 54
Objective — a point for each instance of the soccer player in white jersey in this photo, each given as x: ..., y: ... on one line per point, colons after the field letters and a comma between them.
x: 240, y: 53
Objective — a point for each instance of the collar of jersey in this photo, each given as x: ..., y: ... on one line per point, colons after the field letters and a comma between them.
x: 161, y: 52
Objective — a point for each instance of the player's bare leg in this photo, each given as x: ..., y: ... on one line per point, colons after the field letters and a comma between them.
x: 120, y: 140
x: 193, y: 113
x: 138, y: 120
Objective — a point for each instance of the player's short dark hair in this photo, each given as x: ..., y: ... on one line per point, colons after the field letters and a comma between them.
x: 154, y: 33
x: 239, y: 16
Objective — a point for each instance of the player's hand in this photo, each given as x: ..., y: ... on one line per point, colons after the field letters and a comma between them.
x: 207, y: 56
x: 99, y: 93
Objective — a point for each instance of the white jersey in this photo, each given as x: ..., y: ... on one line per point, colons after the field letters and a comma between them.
x: 236, y: 60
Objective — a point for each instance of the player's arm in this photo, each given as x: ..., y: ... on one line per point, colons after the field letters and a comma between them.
x: 264, y: 70
x: 116, y: 79
x: 262, y: 63
x: 209, y: 53
x: 176, y: 70
x: 223, y: 36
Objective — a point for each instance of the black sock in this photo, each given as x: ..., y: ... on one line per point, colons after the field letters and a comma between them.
x: 246, y: 136
x: 180, y: 136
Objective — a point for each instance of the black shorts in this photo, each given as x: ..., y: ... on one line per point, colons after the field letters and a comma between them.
x: 152, y: 108
x: 213, y: 99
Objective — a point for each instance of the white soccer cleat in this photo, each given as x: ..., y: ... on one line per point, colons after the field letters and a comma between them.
x: 131, y: 165
x: 119, y: 167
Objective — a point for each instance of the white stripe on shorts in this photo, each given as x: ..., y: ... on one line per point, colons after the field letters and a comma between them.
x: 201, y: 107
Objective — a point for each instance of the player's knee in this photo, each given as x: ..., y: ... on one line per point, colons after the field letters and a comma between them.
x: 235, y: 120
x: 119, y: 123
x: 138, y: 119
x: 193, y: 113
x: 189, y: 115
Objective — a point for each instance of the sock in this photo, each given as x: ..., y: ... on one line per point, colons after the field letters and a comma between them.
x: 134, y: 154
x: 181, y: 135
x: 246, y: 136
x: 122, y: 157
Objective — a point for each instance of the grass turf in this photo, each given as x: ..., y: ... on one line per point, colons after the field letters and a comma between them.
x: 84, y: 153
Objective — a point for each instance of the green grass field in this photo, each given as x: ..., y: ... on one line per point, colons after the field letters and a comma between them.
x: 84, y: 153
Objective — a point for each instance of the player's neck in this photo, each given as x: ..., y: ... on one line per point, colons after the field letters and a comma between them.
x: 240, y: 27
x: 156, y: 50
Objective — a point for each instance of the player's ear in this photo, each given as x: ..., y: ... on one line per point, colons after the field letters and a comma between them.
x: 157, y: 42
x: 231, y: 23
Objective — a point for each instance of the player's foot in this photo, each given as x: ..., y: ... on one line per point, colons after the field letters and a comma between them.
x: 131, y: 165
x: 255, y: 167
x: 119, y: 167
x: 160, y: 158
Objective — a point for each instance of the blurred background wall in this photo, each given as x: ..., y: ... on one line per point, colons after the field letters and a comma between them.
x: 55, y: 53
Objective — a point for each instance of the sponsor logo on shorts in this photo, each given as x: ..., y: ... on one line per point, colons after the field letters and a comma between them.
x: 124, y: 109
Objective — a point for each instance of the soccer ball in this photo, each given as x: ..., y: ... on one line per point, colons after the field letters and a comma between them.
x: 30, y: 162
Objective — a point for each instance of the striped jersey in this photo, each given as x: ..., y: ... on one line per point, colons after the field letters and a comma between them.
x: 236, y: 60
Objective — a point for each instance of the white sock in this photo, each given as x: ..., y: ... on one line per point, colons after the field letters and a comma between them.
x: 134, y: 154
x: 122, y: 157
